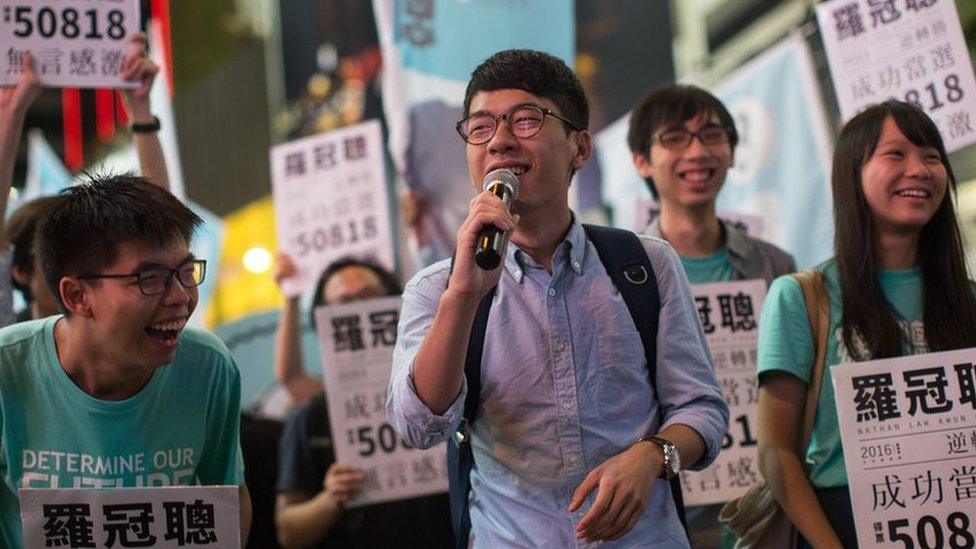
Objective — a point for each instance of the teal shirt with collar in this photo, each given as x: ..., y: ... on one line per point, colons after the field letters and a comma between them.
x: 748, y: 257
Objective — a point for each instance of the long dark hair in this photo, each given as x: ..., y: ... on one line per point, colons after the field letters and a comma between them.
x: 949, y: 305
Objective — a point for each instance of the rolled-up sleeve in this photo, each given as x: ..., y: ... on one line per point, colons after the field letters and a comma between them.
x: 411, y: 418
x: 687, y: 386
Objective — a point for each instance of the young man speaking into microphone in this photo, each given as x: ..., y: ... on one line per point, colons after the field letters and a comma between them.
x: 572, y: 440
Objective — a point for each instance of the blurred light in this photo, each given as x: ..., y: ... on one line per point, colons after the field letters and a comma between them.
x: 257, y: 260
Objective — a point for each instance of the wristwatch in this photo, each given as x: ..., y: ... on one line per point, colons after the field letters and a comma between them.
x: 148, y: 127
x: 672, y: 460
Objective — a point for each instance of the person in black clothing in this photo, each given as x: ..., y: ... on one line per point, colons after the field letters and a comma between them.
x: 313, y: 487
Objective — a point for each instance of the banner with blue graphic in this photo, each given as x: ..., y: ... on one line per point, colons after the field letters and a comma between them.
x: 429, y: 49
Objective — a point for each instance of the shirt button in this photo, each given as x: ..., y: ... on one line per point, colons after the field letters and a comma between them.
x: 576, y: 265
x: 567, y: 405
x: 552, y: 291
x: 574, y: 459
x: 561, y: 346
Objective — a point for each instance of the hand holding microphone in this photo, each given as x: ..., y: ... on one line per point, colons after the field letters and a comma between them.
x: 491, y: 240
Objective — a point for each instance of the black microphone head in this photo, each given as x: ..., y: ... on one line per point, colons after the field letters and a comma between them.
x: 504, y: 177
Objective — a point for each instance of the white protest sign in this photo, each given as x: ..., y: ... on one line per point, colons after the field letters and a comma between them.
x: 729, y: 313
x: 647, y: 210
x: 330, y: 199
x: 357, y: 341
x: 171, y: 516
x: 908, y: 428
x: 912, y: 50
x: 74, y: 43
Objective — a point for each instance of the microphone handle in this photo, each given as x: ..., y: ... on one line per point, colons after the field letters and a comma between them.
x: 491, y: 241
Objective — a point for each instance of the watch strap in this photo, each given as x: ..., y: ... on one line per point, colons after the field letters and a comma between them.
x: 668, y: 449
x: 146, y: 127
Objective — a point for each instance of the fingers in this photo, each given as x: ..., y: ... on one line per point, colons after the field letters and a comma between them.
x: 485, y: 210
x: 343, y: 482
x: 284, y: 268
x: 611, y: 522
x: 584, y: 489
x: 628, y: 518
x: 596, y: 518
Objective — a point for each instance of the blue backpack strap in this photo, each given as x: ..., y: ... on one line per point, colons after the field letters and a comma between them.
x: 460, y: 457
x: 628, y: 266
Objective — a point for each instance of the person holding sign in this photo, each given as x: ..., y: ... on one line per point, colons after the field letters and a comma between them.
x: 117, y: 391
x: 20, y: 228
x: 898, y: 286
x: 573, y: 440
x: 312, y: 486
x: 683, y: 140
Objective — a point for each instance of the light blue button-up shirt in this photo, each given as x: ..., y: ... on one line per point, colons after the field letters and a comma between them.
x: 564, y: 388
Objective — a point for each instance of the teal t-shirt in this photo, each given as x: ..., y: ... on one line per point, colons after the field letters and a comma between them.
x: 785, y: 344
x: 182, y: 428
x: 710, y: 268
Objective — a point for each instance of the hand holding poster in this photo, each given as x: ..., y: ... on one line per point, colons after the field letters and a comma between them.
x: 357, y: 343
x: 729, y: 313
x: 908, y: 428
x: 177, y: 516
x: 331, y: 201
x: 912, y: 50
x: 74, y: 43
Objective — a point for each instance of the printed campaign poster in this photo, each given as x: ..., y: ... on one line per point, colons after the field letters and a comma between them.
x: 912, y: 50
x: 729, y: 313
x: 908, y: 427
x: 75, y: 43
x: 357, y: 343
x: 330, y: 201
x: 178, y: 516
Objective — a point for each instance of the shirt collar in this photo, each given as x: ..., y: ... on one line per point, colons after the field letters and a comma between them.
x: 515, y: 258
x: 734, y: 240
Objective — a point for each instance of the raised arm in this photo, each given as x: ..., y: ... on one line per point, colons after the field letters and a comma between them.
x: 288, y: 367
x: 14, y: 102
x: 439, y: 365
x: 139, y: 68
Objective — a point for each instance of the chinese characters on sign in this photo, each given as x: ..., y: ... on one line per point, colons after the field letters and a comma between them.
x: 331, y: 201
x: 75, y: 43
x: 131, y: 517
x: 912, y: 50
x: 729, y: 313
x: 908, y: 427
x: 357, y: 343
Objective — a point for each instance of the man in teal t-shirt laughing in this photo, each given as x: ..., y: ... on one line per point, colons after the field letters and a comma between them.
x: 117, y: 391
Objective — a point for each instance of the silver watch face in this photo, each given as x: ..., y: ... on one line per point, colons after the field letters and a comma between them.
x: 674, y: 463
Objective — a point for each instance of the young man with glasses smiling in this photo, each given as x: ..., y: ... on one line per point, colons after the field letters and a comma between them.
x: 683, y: 140
x: 562, y: 441
x: 119, y: 377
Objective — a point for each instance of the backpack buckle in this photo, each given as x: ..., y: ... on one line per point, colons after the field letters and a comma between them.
x: 635, y: 274
x: 461, y: 435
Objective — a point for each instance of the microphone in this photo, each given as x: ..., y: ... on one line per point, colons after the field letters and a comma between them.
x: 491, y: 241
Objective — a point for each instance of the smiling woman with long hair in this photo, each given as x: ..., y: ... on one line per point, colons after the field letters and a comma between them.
x: 898, y: 286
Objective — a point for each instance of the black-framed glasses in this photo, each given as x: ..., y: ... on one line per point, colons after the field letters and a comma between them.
x: 680, y: 138
x: 157, y: 280
x: 523, y: 121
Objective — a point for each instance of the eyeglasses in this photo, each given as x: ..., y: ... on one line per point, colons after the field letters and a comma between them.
x: 157, y: 281
x: 680, y: 138
x: 523, y: 121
